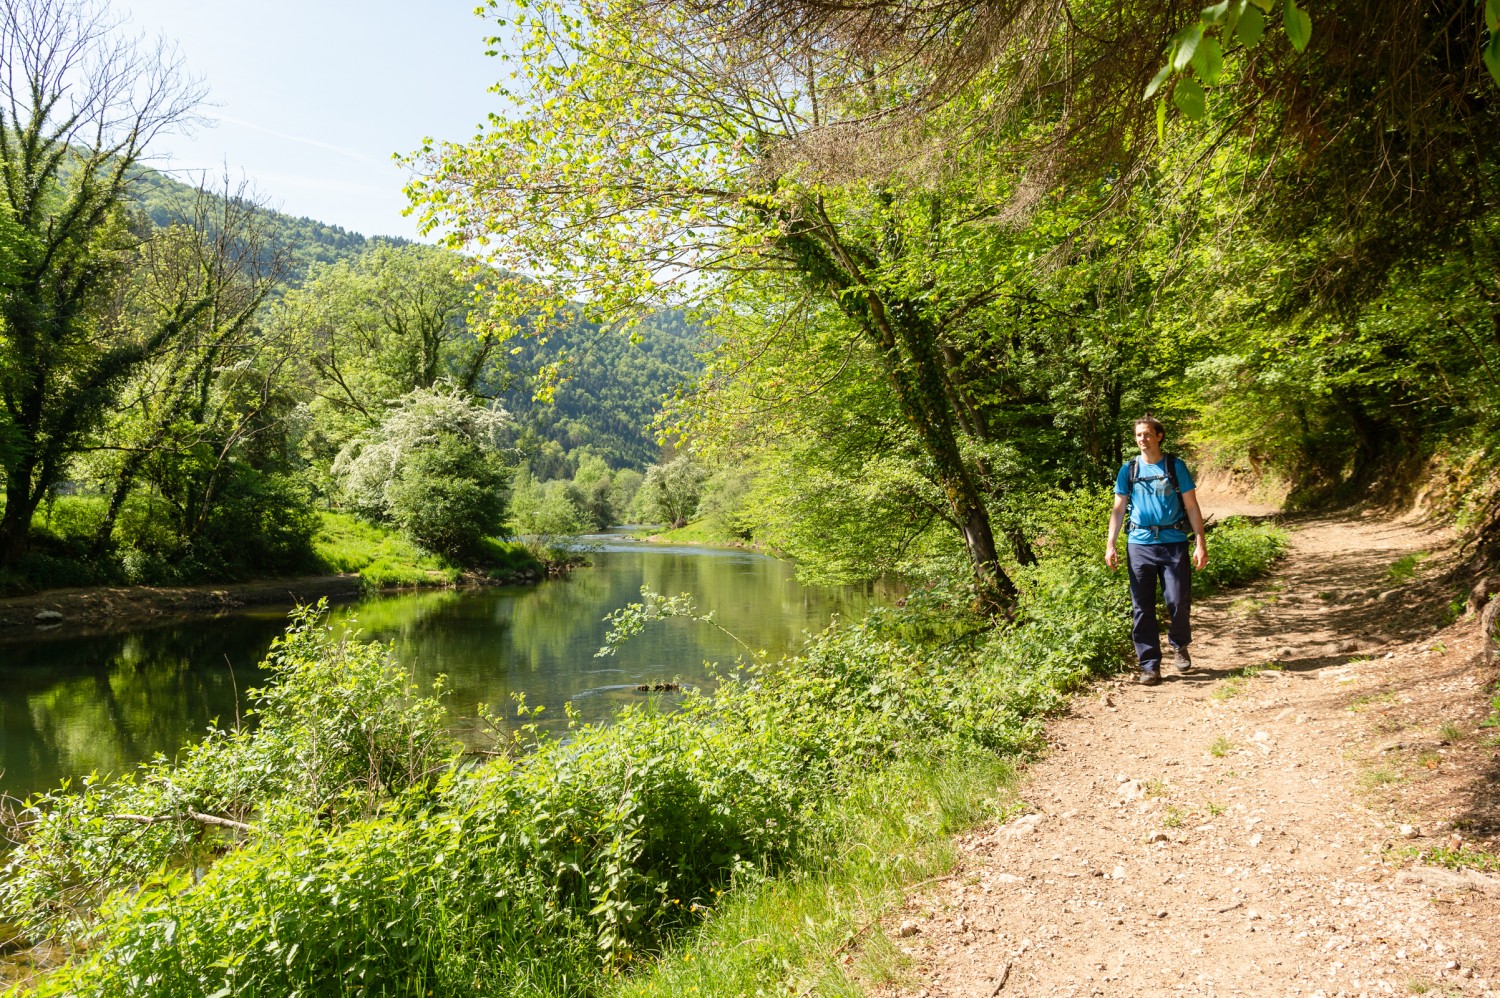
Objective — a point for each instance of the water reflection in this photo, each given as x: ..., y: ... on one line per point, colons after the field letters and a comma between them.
x: 105, y: 703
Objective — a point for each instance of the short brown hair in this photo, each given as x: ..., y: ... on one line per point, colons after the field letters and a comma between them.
x: 1154, y: 424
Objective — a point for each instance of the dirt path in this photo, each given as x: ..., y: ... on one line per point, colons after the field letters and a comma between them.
x: 1237, y: 834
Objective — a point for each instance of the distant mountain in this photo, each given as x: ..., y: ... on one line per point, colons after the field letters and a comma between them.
x: 305, y: 241
x: 610, y: 389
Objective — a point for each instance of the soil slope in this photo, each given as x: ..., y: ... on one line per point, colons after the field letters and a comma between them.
x: 1244, y: 832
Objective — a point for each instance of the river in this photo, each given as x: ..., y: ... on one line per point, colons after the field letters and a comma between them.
x: 105, y: 703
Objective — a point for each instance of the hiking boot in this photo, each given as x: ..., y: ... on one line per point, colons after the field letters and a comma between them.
x: 1148, y: 677
x: 1182, y: 662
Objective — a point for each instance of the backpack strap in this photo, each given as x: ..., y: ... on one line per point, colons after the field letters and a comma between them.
x: 1171, y: 463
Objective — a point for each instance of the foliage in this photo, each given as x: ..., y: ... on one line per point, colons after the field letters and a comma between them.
x: 80, y: 107
x: 1240, y: 551
x: 431, y: 467
x: 670, y: 492
x: 603, y: 391
x: 547, y: 510
x: 304, y: 241
x: 381, y: 556
x: 390, y: 321
x: 340, y: 730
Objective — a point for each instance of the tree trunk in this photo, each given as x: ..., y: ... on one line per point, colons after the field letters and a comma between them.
x: 20, y: 504
x: 907, y: 344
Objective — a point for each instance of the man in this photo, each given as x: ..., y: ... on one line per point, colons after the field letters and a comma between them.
x: 1162, y: 502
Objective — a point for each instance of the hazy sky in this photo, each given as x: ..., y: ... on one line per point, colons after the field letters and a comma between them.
x: 312, y: 97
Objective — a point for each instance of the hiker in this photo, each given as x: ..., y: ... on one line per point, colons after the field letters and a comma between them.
x: 1159, y: 493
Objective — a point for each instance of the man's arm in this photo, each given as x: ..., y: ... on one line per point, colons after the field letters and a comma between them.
x: 1116, y: 521
x: 1195, y: 517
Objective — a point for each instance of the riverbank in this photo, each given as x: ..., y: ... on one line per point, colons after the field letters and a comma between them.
x: 101, y: 609
x: 362, y: 558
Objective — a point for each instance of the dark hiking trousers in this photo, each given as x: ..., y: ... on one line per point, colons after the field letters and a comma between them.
x: 1170, y: 564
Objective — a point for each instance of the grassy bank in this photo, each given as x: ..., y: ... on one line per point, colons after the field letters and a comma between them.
x: 729, y: 847
x: 703, y: 532
x: 64, y: 554
x: 384, y: 559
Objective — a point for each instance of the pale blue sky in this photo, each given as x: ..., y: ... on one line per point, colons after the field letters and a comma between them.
x: 313, y: 96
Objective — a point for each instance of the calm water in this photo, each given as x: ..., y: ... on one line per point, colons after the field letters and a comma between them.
x: 72, y: 706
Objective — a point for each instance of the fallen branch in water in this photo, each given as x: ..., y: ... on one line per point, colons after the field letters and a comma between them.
x: 198, y: 816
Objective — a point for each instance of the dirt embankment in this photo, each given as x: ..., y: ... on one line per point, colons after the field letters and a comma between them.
x: 67, y: 612
x: 1262, y: 826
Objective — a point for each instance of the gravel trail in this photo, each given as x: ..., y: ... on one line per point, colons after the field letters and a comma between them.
x: 1244, y: 832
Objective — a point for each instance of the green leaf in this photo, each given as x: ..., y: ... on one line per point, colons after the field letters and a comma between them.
x: 1298, y: 25
x: 1492, y: 55
x: 1189, y: 98
x: 1215, y: 14
x: 1161, y: 122
x: 1158, y: 80
x: 1208, y: 61
x: 1264, y: 5
x: 1252, y: 25
x: 1187, y: 44
x: 1492, y: 16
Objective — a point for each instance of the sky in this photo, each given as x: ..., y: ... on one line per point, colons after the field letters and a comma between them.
x: 310, y: 98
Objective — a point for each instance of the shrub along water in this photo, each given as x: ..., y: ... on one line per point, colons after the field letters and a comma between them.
x: 377, y: 862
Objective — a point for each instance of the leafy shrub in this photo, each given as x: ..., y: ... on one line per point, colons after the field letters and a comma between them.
x: 341, y: 729
x: 548, y: 513
x: 448, y: 496
x: 259, y: 524
x: 431, y: 467
x: 1240, y: 551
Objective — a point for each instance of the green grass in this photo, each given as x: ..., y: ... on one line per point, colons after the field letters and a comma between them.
x: 704, y: 532
x: 1360, y: 703
x: 1404, y: 569
x: 1374, y: 779
x: 1221, y: 747
x: 1465, y: 857
x: 1240, y: 551
x: 787, y: 935
x: 384, y: 559
x: 1237, y: 681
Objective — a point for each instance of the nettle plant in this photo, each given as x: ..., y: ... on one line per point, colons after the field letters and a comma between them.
x: 340, y: 731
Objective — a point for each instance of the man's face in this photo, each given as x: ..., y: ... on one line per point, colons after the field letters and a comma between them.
x: 1146, y: 438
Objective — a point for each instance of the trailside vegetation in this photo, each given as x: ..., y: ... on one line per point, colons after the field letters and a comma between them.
x: 343, y: 839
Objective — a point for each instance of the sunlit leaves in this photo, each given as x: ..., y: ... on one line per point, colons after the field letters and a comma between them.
x: 1298, y: 25
x: 1197, y: 52
x: 1208, y: 61
x: 1251, y: 26
x: 1189, y: 98
x: 1491, y: 49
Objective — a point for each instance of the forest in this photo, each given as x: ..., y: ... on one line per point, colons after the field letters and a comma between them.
x: 200, y: 389
x: 904, y: 271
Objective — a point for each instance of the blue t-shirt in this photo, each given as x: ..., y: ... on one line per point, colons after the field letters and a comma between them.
x: 1154, y: 503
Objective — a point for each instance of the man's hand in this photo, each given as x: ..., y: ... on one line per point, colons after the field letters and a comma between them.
x: 1111, y: 555
x: 1200, y: 553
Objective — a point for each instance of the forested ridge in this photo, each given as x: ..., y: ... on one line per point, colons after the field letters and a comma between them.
x: 937, y: 255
